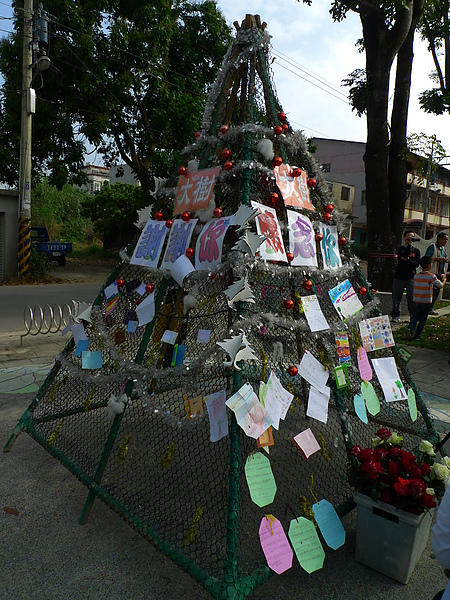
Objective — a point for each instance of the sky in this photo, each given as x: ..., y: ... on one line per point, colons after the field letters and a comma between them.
x: 312, y: 57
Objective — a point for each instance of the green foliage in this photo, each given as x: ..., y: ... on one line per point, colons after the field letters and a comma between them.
x: 360, y: 250
x: 39, y: 265
x: 60, y: 212
x: 435, y: 336
x: 357, y: 84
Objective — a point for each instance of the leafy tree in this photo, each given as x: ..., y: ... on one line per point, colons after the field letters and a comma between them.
x: 128, y: 76
x: 113, y: 210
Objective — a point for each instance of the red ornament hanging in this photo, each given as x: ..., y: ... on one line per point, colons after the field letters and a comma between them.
x: 285, y: 127
x: 217, y: 212
x: 289, y: 304
x: 326, y: 217
x: 329, y: 208
x: 158, y: 216
x: 224, y: 129
x: 341, y: 240
x: 281, y: 116
x: 363, y: 291
x: 292, y: 370
x: 226, y: 154
x: 182, y: 171
x: 197, y: 135
x: 273, y: 198
x: 277, y: 161
x: 149, y: 288
x: 308, y: 284
x: 190, y: 252
x: 120, y: 283
x: 228, y: 165
x: 278, y: 130
x: 169, y: 223
x: 296, y: 171
x: 185, y: 217
x: 290, y: 256
x: 312, y: 182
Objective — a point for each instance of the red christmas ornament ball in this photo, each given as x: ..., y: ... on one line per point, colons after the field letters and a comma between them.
x: 190, y: 252
x: 308, y: 284
x: 281, y: 116
x: 277, y: 161
x: 278, y: 130
x: 341, y: 240
x: 290, y: 256
x: 273, y: 198
x: 363, y: 291
x: 329, y: 208
x: 326, y: 217
x: 285, y: 127
x: 217, y: 212
x: 149, y: 288
x: 185, y: 216
x: 289, y: 304
x: 169, y: 223
x: 182, y: 171
x: 292, y: 370
x: 120, y: 283
x: 197, y: 135
x: 226, y: 154
x: 228, y: 165
x: 312, y: 182
x: 296, y: 172
x: 158, y: 216
x: 224, y: 128
x: 319, y: 237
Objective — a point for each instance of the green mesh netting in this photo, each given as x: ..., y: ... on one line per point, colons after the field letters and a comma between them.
x: 152, y: 464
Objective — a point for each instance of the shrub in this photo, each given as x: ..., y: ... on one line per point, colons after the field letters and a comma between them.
x: 39, y: 265
x: 360, y: 250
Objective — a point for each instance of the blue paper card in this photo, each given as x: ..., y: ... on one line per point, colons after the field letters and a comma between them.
x: 178, y: 355
x: 131, y: 327
x: 329, y: 524
x: 360, y: 407
x: 91, y: 360
x: 82, y: 346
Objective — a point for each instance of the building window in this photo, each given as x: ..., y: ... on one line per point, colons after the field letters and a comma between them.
x: 363, y: 198
x: 326, y: 168
x: 345, y: 193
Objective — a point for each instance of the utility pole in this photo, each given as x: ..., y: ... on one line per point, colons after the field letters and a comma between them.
x: 423, y: 233
x: 27, y: 110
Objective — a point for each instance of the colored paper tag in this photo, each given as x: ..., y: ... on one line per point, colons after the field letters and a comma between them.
x: 218, y: 419
x: 412, y: 404
x: 365, y: 370
x: 131, y: 327
x: 371, y: 398
x: 82, y: 346
x: 305, y: 541
x: 203, y: 336
x: 329, y: 524
x: 260, y: 479
x: 360, y: 408
x: 275, y: 545
x: 265, y: 440
x: 91, y: 360
x: 307, y: 443
x: 169, y: 337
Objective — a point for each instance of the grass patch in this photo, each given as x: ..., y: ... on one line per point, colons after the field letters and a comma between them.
x: 435, y: 336
x: 442, y: 304
x: 93, y: 252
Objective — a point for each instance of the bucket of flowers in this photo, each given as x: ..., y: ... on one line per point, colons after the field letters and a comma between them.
x: 396, y: 492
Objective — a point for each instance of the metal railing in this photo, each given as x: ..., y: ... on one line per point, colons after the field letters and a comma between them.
x: 49, y: 319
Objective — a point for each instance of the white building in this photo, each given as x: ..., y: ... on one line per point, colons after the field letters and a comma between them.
x: 96, y: 177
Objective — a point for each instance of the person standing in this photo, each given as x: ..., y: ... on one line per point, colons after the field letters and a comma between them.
x: 424, y: 284
x: 408, y: 261
x: 440, y: 261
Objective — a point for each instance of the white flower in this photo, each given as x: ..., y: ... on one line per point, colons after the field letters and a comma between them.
x: 430, y: 491
x: 440, y: 471
x: 446, y: 461
x: 426, y: 447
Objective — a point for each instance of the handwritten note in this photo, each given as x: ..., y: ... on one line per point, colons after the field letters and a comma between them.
x: 203, y: 336
x: 371, y: 398
x: 277, y: 400
x: 412, y: 405
x: 305, y: 541
x: 360, y: 408
x: 386, y: 371
x: 218, y: 419
x: 275, y: 545
x: 251, y: 415
x: 306, y: 442
x: 314, y: 314
x: 329, y: 524
x: 260, y: 479
x: 318, y: 404
x: 313, y: 371
x: 365, y: 370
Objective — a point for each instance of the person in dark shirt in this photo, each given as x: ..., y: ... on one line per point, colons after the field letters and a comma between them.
x: 408, y: 260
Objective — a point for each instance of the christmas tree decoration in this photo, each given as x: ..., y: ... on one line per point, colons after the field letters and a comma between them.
x: 226, y: 154
x: 278, y: 130
x: 194, y: 315
x: 182, y: 171
x: 196, y: 135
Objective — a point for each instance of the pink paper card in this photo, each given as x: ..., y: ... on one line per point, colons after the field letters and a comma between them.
x: 275, y: 545
x: 365, y: 370
x: 306, y: 442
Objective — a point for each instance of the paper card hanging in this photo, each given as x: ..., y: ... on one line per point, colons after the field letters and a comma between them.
x: 412, y: 405
x: 91, y: 360
x: 343, y: 347
x: 329, y: 524
x: 267, y: 225
x: 306, y: 543
x: 295, y: 190
x: 266, y: 439
x: 318, y: 404
x: 218, y: 418
x: 146, y: 310
x: 371, y: 398
x: 111, y: 304
x: 365, y: 370
x: 260, y: 479
x: 275, y: 545
x: 111, y: 290
x: 345, y: 300
x: 306, y: 442
x: 179, y: 239
x: 149, y: 247
x: 169, y: 337
x: 195, y: 190
x: 203, y: 336
x: 302, y: 241
x: 313, y: 371
x: 81, y: 347
x: 404, y: 354
x: 360, y: 408
x: 194, y: 407
x: 376, y: 333
x: 341, y: 376
x: 313, y: 313
x: 329, y: 247
x: 387, y: 373
x: 208, y: 249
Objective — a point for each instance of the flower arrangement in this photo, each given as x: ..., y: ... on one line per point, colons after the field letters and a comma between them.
x: 388, y: 473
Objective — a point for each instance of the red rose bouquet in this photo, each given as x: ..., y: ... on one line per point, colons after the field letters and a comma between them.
x: 386, y: 472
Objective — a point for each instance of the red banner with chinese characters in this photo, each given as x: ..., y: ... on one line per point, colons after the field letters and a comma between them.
x: 294, y: 190
x: 195, y: 190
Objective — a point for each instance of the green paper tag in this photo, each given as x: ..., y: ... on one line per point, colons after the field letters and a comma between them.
x: 260, y: 479
x: 371, y: 398
x: 306, y: 543
x: 412, y: 404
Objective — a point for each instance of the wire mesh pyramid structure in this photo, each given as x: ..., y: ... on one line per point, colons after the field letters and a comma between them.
x: 147, y: 458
